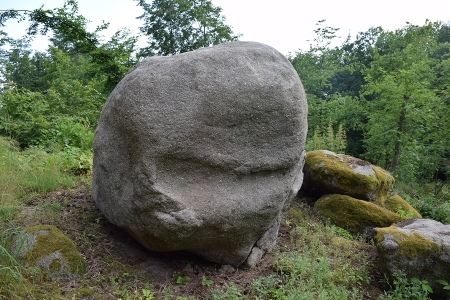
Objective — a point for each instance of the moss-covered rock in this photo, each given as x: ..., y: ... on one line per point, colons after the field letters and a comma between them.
x: 329, y: 173
x: 354, y: 215
x: 417, y: 247
x: 400, y: 206
x: 47, y: 248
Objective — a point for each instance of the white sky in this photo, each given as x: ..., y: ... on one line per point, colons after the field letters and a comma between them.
x: 283, y: 24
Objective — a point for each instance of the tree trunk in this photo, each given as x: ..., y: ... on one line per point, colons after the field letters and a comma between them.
x: 397, y: 146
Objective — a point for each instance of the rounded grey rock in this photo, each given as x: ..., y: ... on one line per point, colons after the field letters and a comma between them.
x: 202, y: 151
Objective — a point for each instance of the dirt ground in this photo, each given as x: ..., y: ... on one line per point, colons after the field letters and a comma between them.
x: 117, y: 264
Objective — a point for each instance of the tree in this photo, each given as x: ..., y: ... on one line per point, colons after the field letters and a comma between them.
x: 56, y: 97
x: 71, y: 35
x: 176, y: 26
x: 403, y: 107
x: 22, y: 67
x: 320, y: 63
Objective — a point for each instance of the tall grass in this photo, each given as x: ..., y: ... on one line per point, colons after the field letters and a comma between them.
x: 325, y: 265
x: 11, y: 281
x: 30, y: 171
x: 22, y: 173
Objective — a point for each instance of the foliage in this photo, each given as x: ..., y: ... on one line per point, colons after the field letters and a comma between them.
x: 431, y: 208
x: 403, y: 119
x: 206, y: 282
x: 317, y: 65
x: 446, y: 286
x: 319, y: 267
x: 230, y: 293
x: 402, y: 288
x: 327, y: 140
x: 177, y: 26
x: 35, y: 171
x: 11, y: 271
x: 431, y: 202
x: 180, y: 279
x: 389, y: 90
x: 110, y: 60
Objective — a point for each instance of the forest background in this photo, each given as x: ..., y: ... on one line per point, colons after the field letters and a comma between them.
x: 383, y: 97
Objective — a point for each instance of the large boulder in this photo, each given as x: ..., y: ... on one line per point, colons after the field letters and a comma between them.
x: 47, y: 248
x: 419, y: 248
x: 354, y: 215
x: 329, y: 173
x: 202, y: 151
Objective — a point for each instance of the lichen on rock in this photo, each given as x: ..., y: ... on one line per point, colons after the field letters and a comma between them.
x: 408, y: 245
x: 46, y: 247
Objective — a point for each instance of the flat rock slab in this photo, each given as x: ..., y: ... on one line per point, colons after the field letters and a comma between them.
x: 202, y: 151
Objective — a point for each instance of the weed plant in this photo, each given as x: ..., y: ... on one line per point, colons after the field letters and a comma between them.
x: 404, y: 288
x: 325, y: 266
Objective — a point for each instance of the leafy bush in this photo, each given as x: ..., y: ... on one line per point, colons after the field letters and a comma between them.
x: 24, y: 116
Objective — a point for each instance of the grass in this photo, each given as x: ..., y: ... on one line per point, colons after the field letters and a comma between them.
x: 23, y: 174
x: 316, y: 260
x: 323, y: 264
x: 30, y: 171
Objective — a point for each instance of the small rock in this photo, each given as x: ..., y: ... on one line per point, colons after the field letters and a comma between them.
x: 254, y: 257
x: 227, y: 269
x: 354, y: 215
x: 46, y: 247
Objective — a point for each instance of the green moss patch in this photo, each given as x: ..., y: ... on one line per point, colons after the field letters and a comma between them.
x: 354, y: 215
x: 347, y: 175
x: 51, y: 250
x: 411, y: 246
x: 397, y: 204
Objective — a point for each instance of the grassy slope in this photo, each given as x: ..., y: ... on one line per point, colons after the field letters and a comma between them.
x: 313, y: 259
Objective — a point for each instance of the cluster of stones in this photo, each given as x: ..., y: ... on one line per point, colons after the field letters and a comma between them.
x: 355, y: 195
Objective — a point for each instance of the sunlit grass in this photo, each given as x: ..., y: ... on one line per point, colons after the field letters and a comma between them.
x: 23, y: 173
x: 30, y: 171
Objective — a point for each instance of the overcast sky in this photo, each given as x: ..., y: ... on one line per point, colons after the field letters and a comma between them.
x: 283, y: 24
